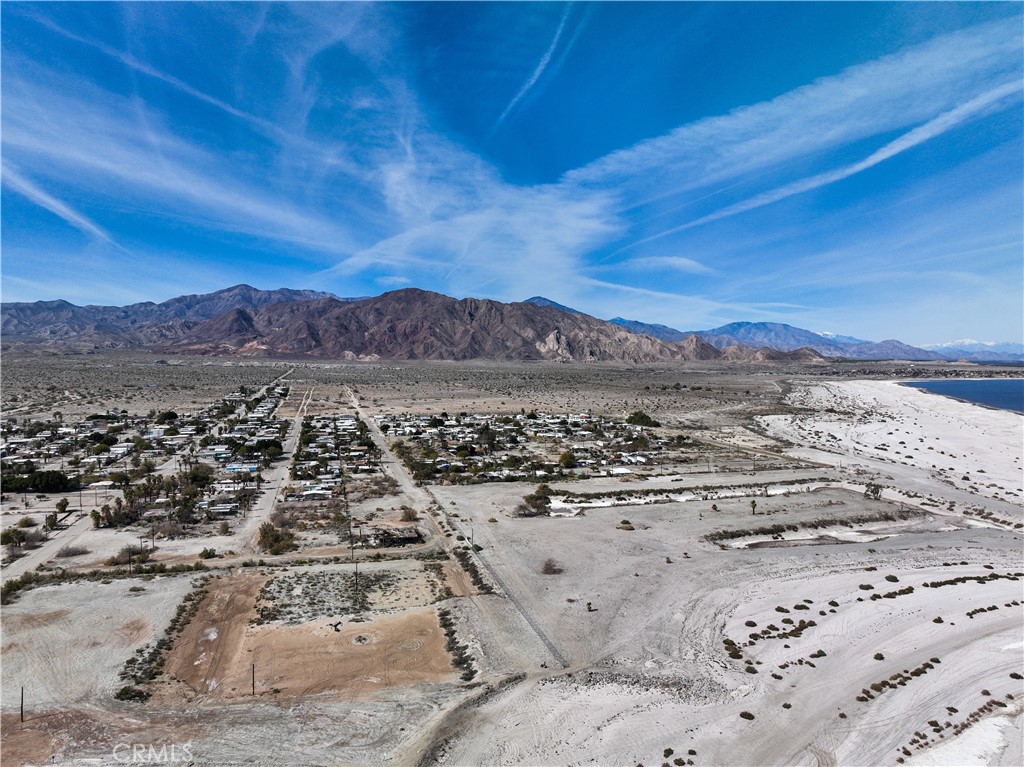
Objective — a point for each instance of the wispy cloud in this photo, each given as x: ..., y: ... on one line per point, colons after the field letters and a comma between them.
x: 671, y: 263
x: 80, y: 137
x: 14, y: 180
x: 531, y: 81
x: 146, y: 69
x: 890, y: 93
x: 979, y: 105
x: 507, y: 243
x: 393, y: 281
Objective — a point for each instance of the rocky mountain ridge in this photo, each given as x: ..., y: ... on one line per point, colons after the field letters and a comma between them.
x: 409, y: 324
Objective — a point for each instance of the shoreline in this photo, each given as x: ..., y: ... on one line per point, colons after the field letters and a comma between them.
x: 935, y: 441
x: 910, y: 385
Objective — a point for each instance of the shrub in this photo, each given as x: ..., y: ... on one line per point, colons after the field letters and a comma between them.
x: 746, y: 715
x: 71, y: 551
x: 879, y: 656
x: 130, y: 553
x: 552, y: 567
x: 274, y: 540
x: 640, y: 418
x: 132, y: 693
x: 207, y: 554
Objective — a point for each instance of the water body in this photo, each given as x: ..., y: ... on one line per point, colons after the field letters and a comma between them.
x: 999, y: 393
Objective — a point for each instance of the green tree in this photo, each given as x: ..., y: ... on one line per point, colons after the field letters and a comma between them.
x: 640, y: 418
x: 13, y: 536
x: 166, y: 417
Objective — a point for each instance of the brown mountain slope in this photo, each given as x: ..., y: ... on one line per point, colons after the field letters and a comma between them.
x: 415, y: 324
x: 738, y: 353
x: 63, y: 325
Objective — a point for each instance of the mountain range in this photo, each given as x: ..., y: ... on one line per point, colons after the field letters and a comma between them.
x: 776, y: 335
x: 413, y: 324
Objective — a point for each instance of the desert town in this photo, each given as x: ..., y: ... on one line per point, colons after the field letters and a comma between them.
x: 320, y: 563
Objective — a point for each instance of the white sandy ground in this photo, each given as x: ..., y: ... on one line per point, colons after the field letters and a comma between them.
x: 883, y: 421
x: 647, y: 667
x: 110, y: 623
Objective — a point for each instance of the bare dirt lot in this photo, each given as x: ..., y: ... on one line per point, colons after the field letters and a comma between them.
x: 811, y: 600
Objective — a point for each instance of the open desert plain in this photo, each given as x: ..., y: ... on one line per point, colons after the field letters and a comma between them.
x: 513, y: 564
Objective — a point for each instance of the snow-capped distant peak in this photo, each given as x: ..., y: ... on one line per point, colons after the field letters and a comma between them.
x: 959, y: 344
x: 840, y: 339
x: 982, y: 347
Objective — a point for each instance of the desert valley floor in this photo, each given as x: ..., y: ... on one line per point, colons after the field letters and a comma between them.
x: 796, y: 566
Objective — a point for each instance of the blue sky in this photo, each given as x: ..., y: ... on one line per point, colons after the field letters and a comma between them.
x: 854, y: 168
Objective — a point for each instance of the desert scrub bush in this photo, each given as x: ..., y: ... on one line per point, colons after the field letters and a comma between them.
x: 275, y: 540
x: 469, y: 565
x: 879, y: 656
x: 537, y: 503
x: 551, y: 567
x: 132, y: 694
x: 296, y: 598
x: 746, y: 715
x: 461, y: 658
x: 71, y: 551
x: 148, y: 661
